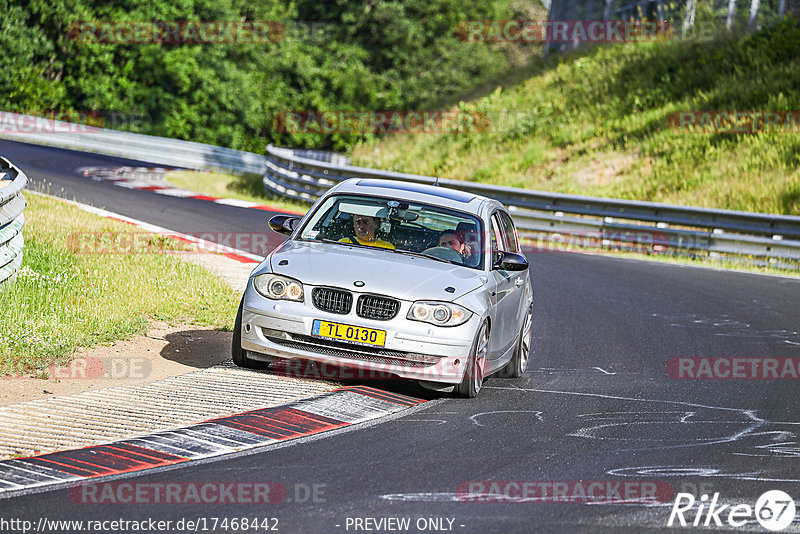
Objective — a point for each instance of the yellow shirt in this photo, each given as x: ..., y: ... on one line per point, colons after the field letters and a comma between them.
x: 376, y: 243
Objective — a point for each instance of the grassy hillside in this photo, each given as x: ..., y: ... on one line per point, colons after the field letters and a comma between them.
x: 597, y: 124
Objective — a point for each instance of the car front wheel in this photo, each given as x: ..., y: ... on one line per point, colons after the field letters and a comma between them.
x: 239, y: 355
x: 472, y: 382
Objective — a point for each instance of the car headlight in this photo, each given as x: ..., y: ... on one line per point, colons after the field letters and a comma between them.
x: 438, y: 313
x: 278, y: 287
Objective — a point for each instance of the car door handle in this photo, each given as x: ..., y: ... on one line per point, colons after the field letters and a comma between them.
x: 518, y: 282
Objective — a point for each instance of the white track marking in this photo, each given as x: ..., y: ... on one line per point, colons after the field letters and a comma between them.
x: 536, y: 414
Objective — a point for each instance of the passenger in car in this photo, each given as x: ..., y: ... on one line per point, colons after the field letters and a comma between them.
x: 455, y: 240
x: 451, y: 239
x: 365, y: 230
x: 468, y: 234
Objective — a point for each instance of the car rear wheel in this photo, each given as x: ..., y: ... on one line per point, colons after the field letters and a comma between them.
x: 239, y: 355
x: 519, y: 361
x: 472, y: 382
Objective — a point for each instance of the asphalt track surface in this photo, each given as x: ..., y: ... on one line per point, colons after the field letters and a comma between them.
x: 596, y: 404
x: 52, y: 171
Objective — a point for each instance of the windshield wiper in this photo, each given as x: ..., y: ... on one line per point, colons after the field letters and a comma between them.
x: 350, y: 244
x: 328, y: 240
x: 421, y: 255
x: 397, y: 250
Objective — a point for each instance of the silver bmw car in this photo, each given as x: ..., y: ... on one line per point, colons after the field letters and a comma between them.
x: 412, y: 281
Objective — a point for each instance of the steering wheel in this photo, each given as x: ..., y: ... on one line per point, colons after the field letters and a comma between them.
x: 444, y: 253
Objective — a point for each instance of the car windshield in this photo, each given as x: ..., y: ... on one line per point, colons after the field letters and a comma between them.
x: 398, y: 225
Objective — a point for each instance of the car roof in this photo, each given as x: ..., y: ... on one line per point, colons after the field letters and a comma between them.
x: 415, y: 192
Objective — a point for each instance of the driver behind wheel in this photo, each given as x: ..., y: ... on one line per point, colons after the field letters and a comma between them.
x: 366, y: 232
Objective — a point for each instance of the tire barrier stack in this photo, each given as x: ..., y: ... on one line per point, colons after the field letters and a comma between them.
x: 12, y: 219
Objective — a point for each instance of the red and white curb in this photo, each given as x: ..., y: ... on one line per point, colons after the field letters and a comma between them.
x: 202, y: 244
x: 341, y: 408
x: 132, y: 178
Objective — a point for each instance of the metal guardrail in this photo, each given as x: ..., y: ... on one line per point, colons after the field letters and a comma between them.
x: 149, y: 148
x: 12, y: 219
x: 651, y: 225
x: 306, y: 174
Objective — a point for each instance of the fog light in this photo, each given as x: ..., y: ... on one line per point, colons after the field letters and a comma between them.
x: 420, y: 313
x: 294, y: 291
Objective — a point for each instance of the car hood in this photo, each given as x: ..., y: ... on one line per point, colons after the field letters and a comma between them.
x: 382, y: 271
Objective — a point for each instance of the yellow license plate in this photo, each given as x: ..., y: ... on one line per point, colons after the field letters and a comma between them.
x: 346, y: 332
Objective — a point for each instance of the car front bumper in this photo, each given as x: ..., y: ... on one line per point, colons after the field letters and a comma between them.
x: 413, y: 350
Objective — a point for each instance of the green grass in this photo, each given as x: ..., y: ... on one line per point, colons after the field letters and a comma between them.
x: 241, y: 187
x: 61, y: 300
x: 595, y: 123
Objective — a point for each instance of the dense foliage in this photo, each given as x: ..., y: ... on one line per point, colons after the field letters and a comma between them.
x: 374, y: 55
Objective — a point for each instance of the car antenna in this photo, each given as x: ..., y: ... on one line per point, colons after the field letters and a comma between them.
x: 436, y: 182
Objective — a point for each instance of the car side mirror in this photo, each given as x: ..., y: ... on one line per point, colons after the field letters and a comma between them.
x: 283, y: 224
x: 510, y: 261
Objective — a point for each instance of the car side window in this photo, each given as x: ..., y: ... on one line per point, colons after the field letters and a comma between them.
x: 497, y: 235
x: 510, y: 233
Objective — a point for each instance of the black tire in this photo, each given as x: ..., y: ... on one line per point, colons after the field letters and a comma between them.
x: 471, y: 384
x: 239, y: 355
x: 522, y: 352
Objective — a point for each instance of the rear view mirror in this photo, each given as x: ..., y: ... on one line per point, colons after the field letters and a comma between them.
x: 509, y: 261
x: 284, y: 224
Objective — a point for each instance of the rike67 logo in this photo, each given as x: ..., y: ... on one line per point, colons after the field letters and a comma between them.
x: 774, y: 510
